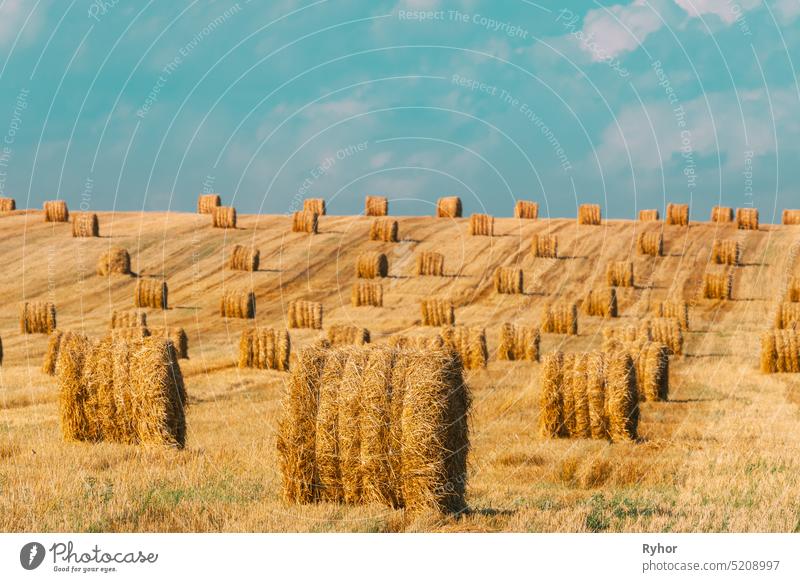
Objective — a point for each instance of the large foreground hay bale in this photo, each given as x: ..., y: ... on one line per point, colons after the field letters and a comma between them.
x: 244, y: 258
x: 366, y: 293
x: 677, y: 214
x: 526, y: 209
x: 793, y: 289
x: 53, y: 347
x: 787, y: 316
x: 665, y: 330
x: 385, y: 230
x: 726, y: 252
x: 206, y: 203
x: 650, y: 243
x: 223, y: 217
x: 150, y: 293
x: 376, y: 206
x: 114, y: 260
x: 348, y: 335
x: 481, y: 225
x: 619, y: 274
x: 747, y: 218
x: 265, y: 349
x: 85, y: 224
x: 780, y: 351
x: 128, y: 318
x: 304, y: 221
x: 787, y: 217
x: 589, y: 214
x: 509, y: 281
x: 56, y: 211
x: 315, y: 205
x: 469, y: 343
x: 601, y: 302
x: 238, y: 304
x: 7, y: 204
x: 305, y: 314
x: 544, y: 246
x: 178, y: 337
x: 448, y: 207
x: 673, y: 308
x: 37, y: 317
x: 650, y: 215
x: 722, y: 214
x: 437, y: 312
x: 372, y: 265
x: 430, y: 263
x: 560, y: 317
x: 718, y: 285
x: 519, y: 342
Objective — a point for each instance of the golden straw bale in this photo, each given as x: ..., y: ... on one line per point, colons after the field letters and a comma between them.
x: 406, y: 342
x: 747, y: 218
x: 589, y: 214
x: 622, y: 398
x: 519, y: 342
x: 448, y: 207
x: 651, y: 360
x: 207, y: 202
x: 37, y: 317
x: 384, y: 229
x: 601, y: 302
x: 223, y: 217
x: 718, y: 285
x: 114, y: 260
x: 626, y: 333
x: 619, y: 274
x: 580, y: 425
x: 178, y: 337
x: 72, y: 391
x: 376, y: 206
x: 676, y: 308
x: 430, y: 263
x: 678, y: 214
x: 244, y: 258
x: 150, y: 293
x: 780, y: 351
x: 481, y: 225
x: 560, y: 317
x: 726, y: 252
x: 551, y: 398
x: 568, y: 395
x: 787, y: 315
x: 305, y: 314
x: 130, y: 318
x: 307, y: 222
x: 372, y: 265
x: 129, y: 333
x: 85, y: 224
x: 596, y: 395
x: 350, y: 401
x: 650, y: 215
x: 7, y: 204
x: 437, y: 312
x: 721, y: 214
x: 526, y: 209
x: 509, y: 281
x: 326, y: 452
x: 366, y: 293
x: 650, y: 243
x: 545, y: 246
x: 344, y: 335
x: 469, y: 343
x: 315, y: 205
x: 265, y: 349
x: 665, y: 330
x: 56, y: 211
x: 793, y: 289
x: 787, y: 217
x: 53, y: 346
x: 238, y: 304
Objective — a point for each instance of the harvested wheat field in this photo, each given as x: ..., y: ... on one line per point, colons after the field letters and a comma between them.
x: 720, y: 453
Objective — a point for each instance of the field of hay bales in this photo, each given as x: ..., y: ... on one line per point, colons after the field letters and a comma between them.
x: 721, y: 454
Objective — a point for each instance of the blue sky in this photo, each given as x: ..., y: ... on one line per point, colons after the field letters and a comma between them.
x: 143, y: 105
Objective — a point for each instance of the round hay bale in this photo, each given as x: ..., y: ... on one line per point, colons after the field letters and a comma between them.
x: 526, y: 210
x: 304, y: 221
x: 449, y: 207
x: 206, y: 203
x: 376, y: 206
x: 223, y: 217
x: 544, y: 246
x: 115, y: 260
x: 244, y: 258
x: 315, y: 206
x: 150, y: 293
x: 430, y: 264
x: 56, y: 211
x: 85, y: 224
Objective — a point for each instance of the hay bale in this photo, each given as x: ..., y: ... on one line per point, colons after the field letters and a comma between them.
x: 622, y: 399
x: 307, y: 222
x: 448, y: 207
x: 366, y: 293
x: 793, y: 289
x: 305, y: 314
x: 551, y: 398
x: 519, y: 342
x: 53, y: 347
x: 509, y: 281
x: 677, y: 309
x: 129, y: 333
x: 726, y: 252
x: 348, y: 335
x: 580, y: 425
x: 8, y: 204
x: 651, y: 360
x: 206, y: 203
x: 114, y: 260
x: 595, y: 365
x: 37, y: 317
x: 326, y: 447
x: 315, y: 206
x: 85, y: 224
x: 721, y: 214
x: 787, y: 315
x: 406, y: 342
x: 469, y: 343
x: 650, y: 215
x: 718, y: 285
x: 525, y: 209
x: 437, y: 312
x: 178, y: 337
x: 56, y: 211
x: 780, y: 351
x: 787, y: 217
x: 626, y: 333
x: 376, y: 206
x: 619, y: 274
x: 244, y: 258
x: 265, y: 349
x: 601, y: 302
x: 650, y: 243
x: 384, y: 230
x: 544, y: 246
x: 560, y: 317
x: 372, y: 265
x: 665, y: 330
x: 747, y: 218
x: 430, y: 264
x: 238, y: 304
x: 223, y: 217
x: 589, y: 214
x: 150, y: 293
x: 72, y: 394
x: 130, y: 318
x: 678, y: 214
x: 481, y: 225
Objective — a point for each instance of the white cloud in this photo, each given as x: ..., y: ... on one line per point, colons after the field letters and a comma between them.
x: 380, y: 160
x: 787, y: 10
x: 618, y: 28
x: 13, y: 14
x: 727, y: 10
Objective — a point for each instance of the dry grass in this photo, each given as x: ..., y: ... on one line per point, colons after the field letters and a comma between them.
x: 348, y: 335
x: 315, y: 206
x: 665, y: 330
x: 85, y: 224
x: 151, y: 293
x: 589, y: 214
x: 385, y: 230
x: 376, y: 206
x: 265, y: 349
x: 526, y: 209
x: 366, y: 293
x: 780, y: 352
x: 430, y: 264
x: 481, y: 225
x: 56, y: 211
x: 437, y: 312
x: 238, y: 304
x: 787, y: 216
x: 128, y: 318
x: 787, y: 316
x: 509, y: 281
x: 114, y: 260
x: 519, y: 342
x: 223, y: 217
x: 678, y: 214
x: 650, y: 243
x: 244, y: 258
x: 449, y: 207
x: 722, y: 214
x: 747, y: 218
x: 544, y: 246
x: 469, y: 343
x: 619, y: 274
x: 207, y: 202
x: 601, y: 302
x: 8, y: 204
x: 372, y: 265
x: 304, y: 221
x: 726, y: 252
x: 560, y: 317
x: 673, y: 308
x: 718, y: 285
x: 37, y: 317
x: 650, y: 215
x: 304, y: 314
